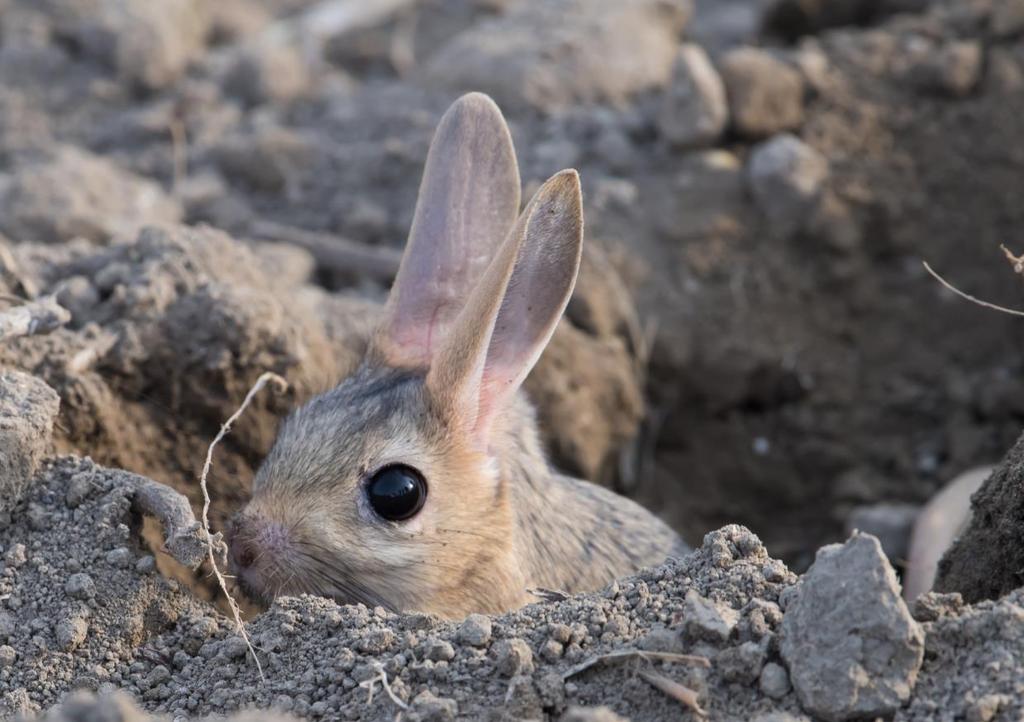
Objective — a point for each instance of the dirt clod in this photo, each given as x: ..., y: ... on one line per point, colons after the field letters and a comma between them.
x: 28, y: 408
x: 852, y: 648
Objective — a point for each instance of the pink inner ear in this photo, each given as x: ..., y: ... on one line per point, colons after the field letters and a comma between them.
x: 536, y: 295
x: 468, y: 200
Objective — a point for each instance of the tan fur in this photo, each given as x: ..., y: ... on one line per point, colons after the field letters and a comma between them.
x: 441, y: 395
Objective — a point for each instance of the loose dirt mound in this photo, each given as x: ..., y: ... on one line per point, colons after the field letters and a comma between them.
x: 752, y: 339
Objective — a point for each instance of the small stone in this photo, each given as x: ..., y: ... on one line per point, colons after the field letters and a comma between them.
x: 80, y: 586
x: 774, y: 680
x: 120, y: 557
x: 16, y: 556
x: 561, y: 633
x: 787, y: 178
x: 551, y: 650
x: 7, y: 625
x: 438, y: 650
x: 475, y: 631
x: 662, y: 639
x: 376, y: 641
x: 741, y: 664
x: 766, y: 96
x: 849, y: 641
x: 694, y: 110
x: 235, y: 647
x: 513, y: 657
x: 80, y: 486
x: 145, y: 564
x: 7, y: 656
x: 70, y: 633
x: 28, y: 408
x: 707, y: 620
x: 434, y: 709
x: 158, y: 675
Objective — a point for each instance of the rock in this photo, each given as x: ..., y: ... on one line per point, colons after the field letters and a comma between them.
x: 694, y: 111
x: 890, y: 523
x: 707, y: 620
x: 120, y: 557
x: 70, y: 192
x: 7, y: 656
x: 28, y: 408
x: 476, y: 630
x: 431, y: 708
x: 953, y: 69
x: 513, y: 657
x: 71, y: 632
x: 553, y: 54
x: 80, y: 586
x: 849, y: 641
x: 15, y: 556
x: 438, y: 650
x: 766, y: 96
x: 787, y: 179
x: 741, y: 664
x: 146, y: 43
x: 774, y: 680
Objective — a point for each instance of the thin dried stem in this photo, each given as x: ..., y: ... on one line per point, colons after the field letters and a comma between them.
x: 382, y: 677
x: 680, y: 693
x: 626, y: 654
x: 972, y: 299
x: 263, y: 380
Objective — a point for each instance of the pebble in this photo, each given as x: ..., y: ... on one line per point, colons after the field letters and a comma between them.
x: 7, y: 656
x: 120, y: 557
x: 707, y: 620
x: 80, y: 586
x: 438, y: 650
x: 766, y: 96
x: 70, y: 633
x: 774, y: 680
x: 694, y: 110
x: 475, y: 630
x: 16, y: 556
x: 787, y: 179
x: 513, y: 657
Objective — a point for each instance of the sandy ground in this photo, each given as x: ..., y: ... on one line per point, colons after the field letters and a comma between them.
x: 214, y: 192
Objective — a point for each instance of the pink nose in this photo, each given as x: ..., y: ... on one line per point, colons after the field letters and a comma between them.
x: 254, y: 538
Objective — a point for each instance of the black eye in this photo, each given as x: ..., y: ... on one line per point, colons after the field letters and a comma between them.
x: 397, y: 492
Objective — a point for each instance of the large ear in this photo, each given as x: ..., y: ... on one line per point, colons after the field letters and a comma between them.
x: 509, y: 318
x: 469, y: 199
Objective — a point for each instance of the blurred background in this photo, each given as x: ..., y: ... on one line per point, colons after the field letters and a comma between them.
x: 753, y: 339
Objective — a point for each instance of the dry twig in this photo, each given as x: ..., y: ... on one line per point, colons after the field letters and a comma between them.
x: 381, y: 677
x: 34, y: 317
x: 263, y: 380
x: 673, y: 689
x: 972, y: 299
x: 626, y: 654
